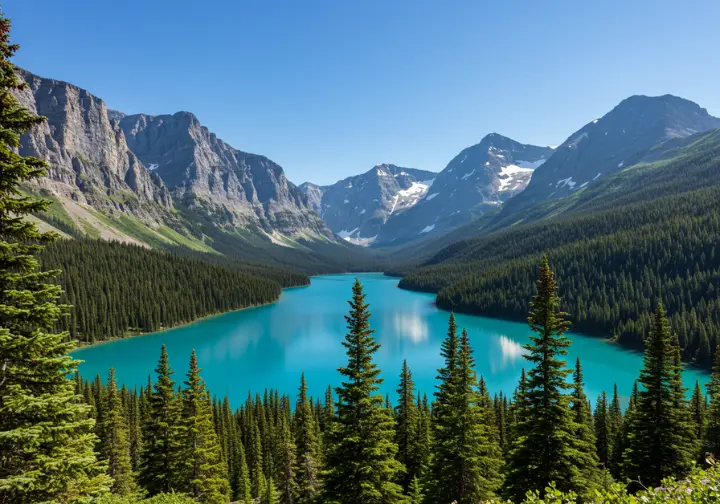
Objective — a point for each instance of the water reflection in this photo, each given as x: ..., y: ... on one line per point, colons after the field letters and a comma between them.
x: 410, y: 326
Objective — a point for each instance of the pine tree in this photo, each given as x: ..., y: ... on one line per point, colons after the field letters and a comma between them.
x: 361, y: 465
x: 467, y: 464
x: 543, y: 448
x: 406, y: 426
x: 603, y: 442
x: 114, y: 444
x: 257, y: 476
x: 584, y: 439
x: 286, y: 462
x: 270, y: 494
x: 306, y: 446
x: 416, y: 492
x: 202, y: 472
x: 712, y: 427
x: 698, y: 413
x: 657, y: 443
x: 161, y: 450
x: 46, y: 433
x: 240, y: 477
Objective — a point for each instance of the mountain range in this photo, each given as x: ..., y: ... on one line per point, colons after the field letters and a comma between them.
x: 167, y: 180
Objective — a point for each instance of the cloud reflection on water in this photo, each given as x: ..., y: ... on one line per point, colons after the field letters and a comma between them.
x: 411, y: 327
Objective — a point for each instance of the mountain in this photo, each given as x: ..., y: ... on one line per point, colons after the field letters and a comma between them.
x: 357, y: 208
x: 649, y: 231
x: 607, y: 144
x: 477, y: 180
x: 207, y: 176
x: 104, y: 183
x: 91, y: 166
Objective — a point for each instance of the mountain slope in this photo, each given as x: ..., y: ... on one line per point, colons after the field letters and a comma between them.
x: 208, y: 176
x: 358, y: 207
x: 606, y: 145
x: 476, y: 181
x: 649, y: 231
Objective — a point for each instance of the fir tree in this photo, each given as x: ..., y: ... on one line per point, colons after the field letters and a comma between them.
x: 202, y: 472
x: 257, y: 477
x: 544, y: 447
x: 240, y: 477
x: 603, y: 442
x: 657, y: 443
x: 416, y: 492
x: 286, y: 462
x: 361, y: 465
x: 161, y: 451
x: 114, y: 444
x: 584, y: 439
x: 698, y: 411
x: 712, y: 427
x: 270, y: 494
x: 46, y: 433
x: 406, y: 428
x: 467, y: 463
x: 306, y: 446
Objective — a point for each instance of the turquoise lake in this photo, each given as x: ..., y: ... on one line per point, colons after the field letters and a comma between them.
x: 269, y: 346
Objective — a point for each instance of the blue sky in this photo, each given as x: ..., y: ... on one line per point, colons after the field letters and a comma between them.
x: 331, y: 88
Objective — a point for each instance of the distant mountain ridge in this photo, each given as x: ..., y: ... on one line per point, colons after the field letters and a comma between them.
x: 479, y: 179
x: 607, y: 144
x: 358, y: 207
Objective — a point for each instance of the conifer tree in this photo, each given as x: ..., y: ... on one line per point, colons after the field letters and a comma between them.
x: 603, y: 443
x: 584, y: 440
x: 658, y: 446
x: 406, y: 428
x: 286, y: 462
x: 202, y: 472
x: 543, y: 448
x: 161, y: 450
x: 306, y: 446
x: 240, y: 477
x: 114, y: 444
x: 698, y: 411
x: 258, y: 483
x: 467, y: 465
x: 46, y: 433
x: 424, y: 436
x: 712, y: 427
x: 416, y: 492
x: 361, y: 465
x: 270, y: 494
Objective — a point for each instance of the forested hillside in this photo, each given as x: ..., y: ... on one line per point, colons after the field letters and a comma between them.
x: 118, y: 289
x: 618, y: 248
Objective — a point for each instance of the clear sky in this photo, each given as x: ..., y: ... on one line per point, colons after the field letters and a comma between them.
x: 329, y: 88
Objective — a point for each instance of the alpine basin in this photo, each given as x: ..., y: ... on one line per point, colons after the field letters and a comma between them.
x: 270, y: 346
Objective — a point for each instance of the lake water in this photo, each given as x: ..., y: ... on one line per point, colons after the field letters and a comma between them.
x: 269, y: 346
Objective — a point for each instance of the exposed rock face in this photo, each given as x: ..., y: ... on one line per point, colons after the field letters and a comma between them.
x: 358, y: 207
x: 89, y: 159
x: 606, y: 145
x: 475, y: 181
x: 205, y: 175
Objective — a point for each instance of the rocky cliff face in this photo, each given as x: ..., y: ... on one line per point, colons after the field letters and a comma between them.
x: 234, y: 189
x: 89, y: 159
x: 476, y: 181
x: 358, y: 207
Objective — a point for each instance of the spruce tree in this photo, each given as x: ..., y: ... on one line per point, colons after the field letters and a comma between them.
x: 406, y: 428
x: 114, y: 443
x: 306, y: 446
x: 711, y: 443
x: 161, y: 450
x: 270, y: 494
x: 240, y: 477
x: 202, y: 472
x: 603, y: 442
x: 698, y: 411
x: 257, y: 476
x: 361, y: 465
x: 46, y: 433
x: 467, y: 464
x: 544, y: 447
x: 286, y: 462
x: 584, y: 439
x: 658, y: 446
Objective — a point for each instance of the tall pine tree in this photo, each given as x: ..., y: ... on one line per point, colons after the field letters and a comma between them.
x: 711, y: 443
x: 544, y: 448
x: 307, y: 450
x: 114, y: 443
x: 161, y: 450
x: 46, y: 435
x: 658, y: 442
x: 202, y: 472
x: 406, y: 428
x: 361, y: 465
